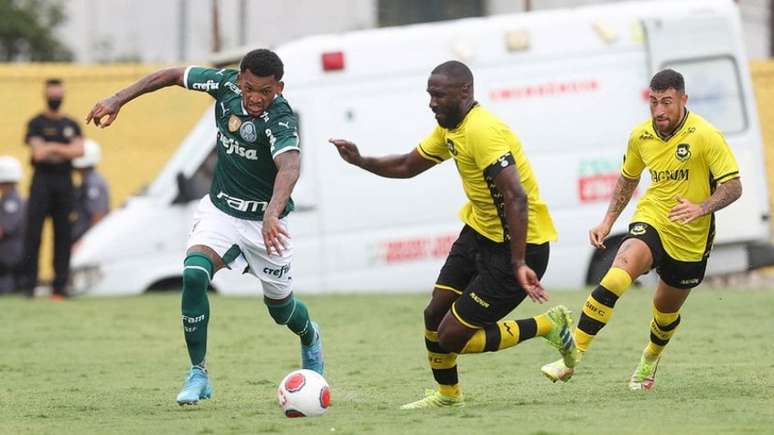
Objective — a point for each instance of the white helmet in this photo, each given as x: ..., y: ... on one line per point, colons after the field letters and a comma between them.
x: 10, y: 170
x: 91, y: 155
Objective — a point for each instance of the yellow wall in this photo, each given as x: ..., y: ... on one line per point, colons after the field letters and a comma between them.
x: 134, y: 148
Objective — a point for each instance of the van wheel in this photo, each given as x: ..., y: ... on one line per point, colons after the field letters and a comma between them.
x: 167, y: 284
x: 602, y: 260
x: 174, y: 284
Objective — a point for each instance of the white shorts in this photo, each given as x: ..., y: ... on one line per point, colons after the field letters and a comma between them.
x: 239, y: 243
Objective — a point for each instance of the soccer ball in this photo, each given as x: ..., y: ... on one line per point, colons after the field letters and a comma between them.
x: 304, y: 393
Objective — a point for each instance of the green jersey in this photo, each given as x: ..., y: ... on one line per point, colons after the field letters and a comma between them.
x: 243, y: 182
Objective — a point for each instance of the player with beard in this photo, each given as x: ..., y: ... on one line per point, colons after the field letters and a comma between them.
x: 502, y: 250
x: 693, y: 174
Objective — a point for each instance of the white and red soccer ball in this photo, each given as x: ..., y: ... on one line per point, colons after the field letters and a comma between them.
x: 304, y: 393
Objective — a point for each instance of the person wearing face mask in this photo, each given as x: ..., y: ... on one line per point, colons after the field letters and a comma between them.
x: 54, y: 140
x: 11, y: 223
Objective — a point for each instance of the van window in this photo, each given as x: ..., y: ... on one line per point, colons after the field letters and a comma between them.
x: 714, y: 91
x: 197, y: 185
x: 401, y: 12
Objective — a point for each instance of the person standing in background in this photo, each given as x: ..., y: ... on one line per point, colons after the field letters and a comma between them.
x: 11, y: 223
x: 92, y: 196
x: 54, y: 140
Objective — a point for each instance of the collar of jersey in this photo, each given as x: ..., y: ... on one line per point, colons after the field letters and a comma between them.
x: 465, y: 118
x: 676, y: 130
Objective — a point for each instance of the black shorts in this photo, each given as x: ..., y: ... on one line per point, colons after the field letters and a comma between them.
x: 676, y: 273
x: 480, y: 271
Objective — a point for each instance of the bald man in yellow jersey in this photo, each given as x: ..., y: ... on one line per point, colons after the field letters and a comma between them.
x: 502, y: 251
x: 693, y: 174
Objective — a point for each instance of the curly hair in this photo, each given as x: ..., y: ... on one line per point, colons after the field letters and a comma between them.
x: 263, y: 63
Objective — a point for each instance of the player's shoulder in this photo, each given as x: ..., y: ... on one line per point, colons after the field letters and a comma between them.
x: 642, y: 131
x: 280, y: 108
x: 696, y: 124
x: 481, y: 121
x: 479, y: 116
x: 224, y: 72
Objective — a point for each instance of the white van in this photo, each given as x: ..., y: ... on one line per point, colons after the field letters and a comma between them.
x: 571, y: 83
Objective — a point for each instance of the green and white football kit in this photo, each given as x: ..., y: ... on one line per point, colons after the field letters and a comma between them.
x: 229, y: 219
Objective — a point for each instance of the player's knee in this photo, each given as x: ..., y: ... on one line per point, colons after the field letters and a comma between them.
x: 433, y: 316
x: 197, y: 272
x: 451, y: 340
x: 617, y: 280
x: 281, y: 313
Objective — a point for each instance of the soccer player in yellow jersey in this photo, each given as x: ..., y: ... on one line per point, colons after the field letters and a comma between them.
x: 693, y: 174
x: 502, y: 251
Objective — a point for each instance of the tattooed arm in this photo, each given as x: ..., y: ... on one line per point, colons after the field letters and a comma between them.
x: 624, y: 189
x: 726, y: 193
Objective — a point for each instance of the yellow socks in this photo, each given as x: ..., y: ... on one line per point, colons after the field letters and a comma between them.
x: 599, y: 306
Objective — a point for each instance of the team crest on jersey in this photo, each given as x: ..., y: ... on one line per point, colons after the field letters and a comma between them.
x: 68, y: 132
x: 233, y: 123
x: 683, y: 152
x: 637, y: 230
x: 248, y: 132
x: 450, y: 145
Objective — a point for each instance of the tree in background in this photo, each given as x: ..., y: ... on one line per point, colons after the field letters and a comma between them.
x: 27, y: 31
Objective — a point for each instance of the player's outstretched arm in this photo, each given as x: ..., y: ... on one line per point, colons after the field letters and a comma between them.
x: 111, y: 105
x: 624, y: 189
x: 396, y: 166
x: 726, y: 193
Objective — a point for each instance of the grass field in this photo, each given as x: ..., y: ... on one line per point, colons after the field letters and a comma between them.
x: 115, y: 365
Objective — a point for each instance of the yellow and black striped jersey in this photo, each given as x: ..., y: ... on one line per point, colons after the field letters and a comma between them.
x: 689, y: 164
x: 481, y: 146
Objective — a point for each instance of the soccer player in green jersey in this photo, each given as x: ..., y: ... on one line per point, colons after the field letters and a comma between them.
x: 503, y: 248
x: 693, y: 174
x: 242, y: 219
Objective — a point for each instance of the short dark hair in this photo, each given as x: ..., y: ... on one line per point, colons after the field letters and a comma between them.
x: 455, y: 70
x: 666, y: 79
x: 53, y: 81
x: 263, y: 63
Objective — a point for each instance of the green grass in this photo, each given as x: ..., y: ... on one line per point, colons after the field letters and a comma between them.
x: 115, y: 365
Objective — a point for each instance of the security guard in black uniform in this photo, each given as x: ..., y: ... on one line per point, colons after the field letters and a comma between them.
x: 54, y: 140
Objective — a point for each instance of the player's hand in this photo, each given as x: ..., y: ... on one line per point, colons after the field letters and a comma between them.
x: 528, y: 280
x: 685, y: 211
x: 348, y: 151
x: 274, y: 235
x: 597, y: 235
x: 108, y: 107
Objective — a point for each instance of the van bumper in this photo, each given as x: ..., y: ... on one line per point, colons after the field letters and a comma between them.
x: 759, y: 254
x: 740, y: 257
